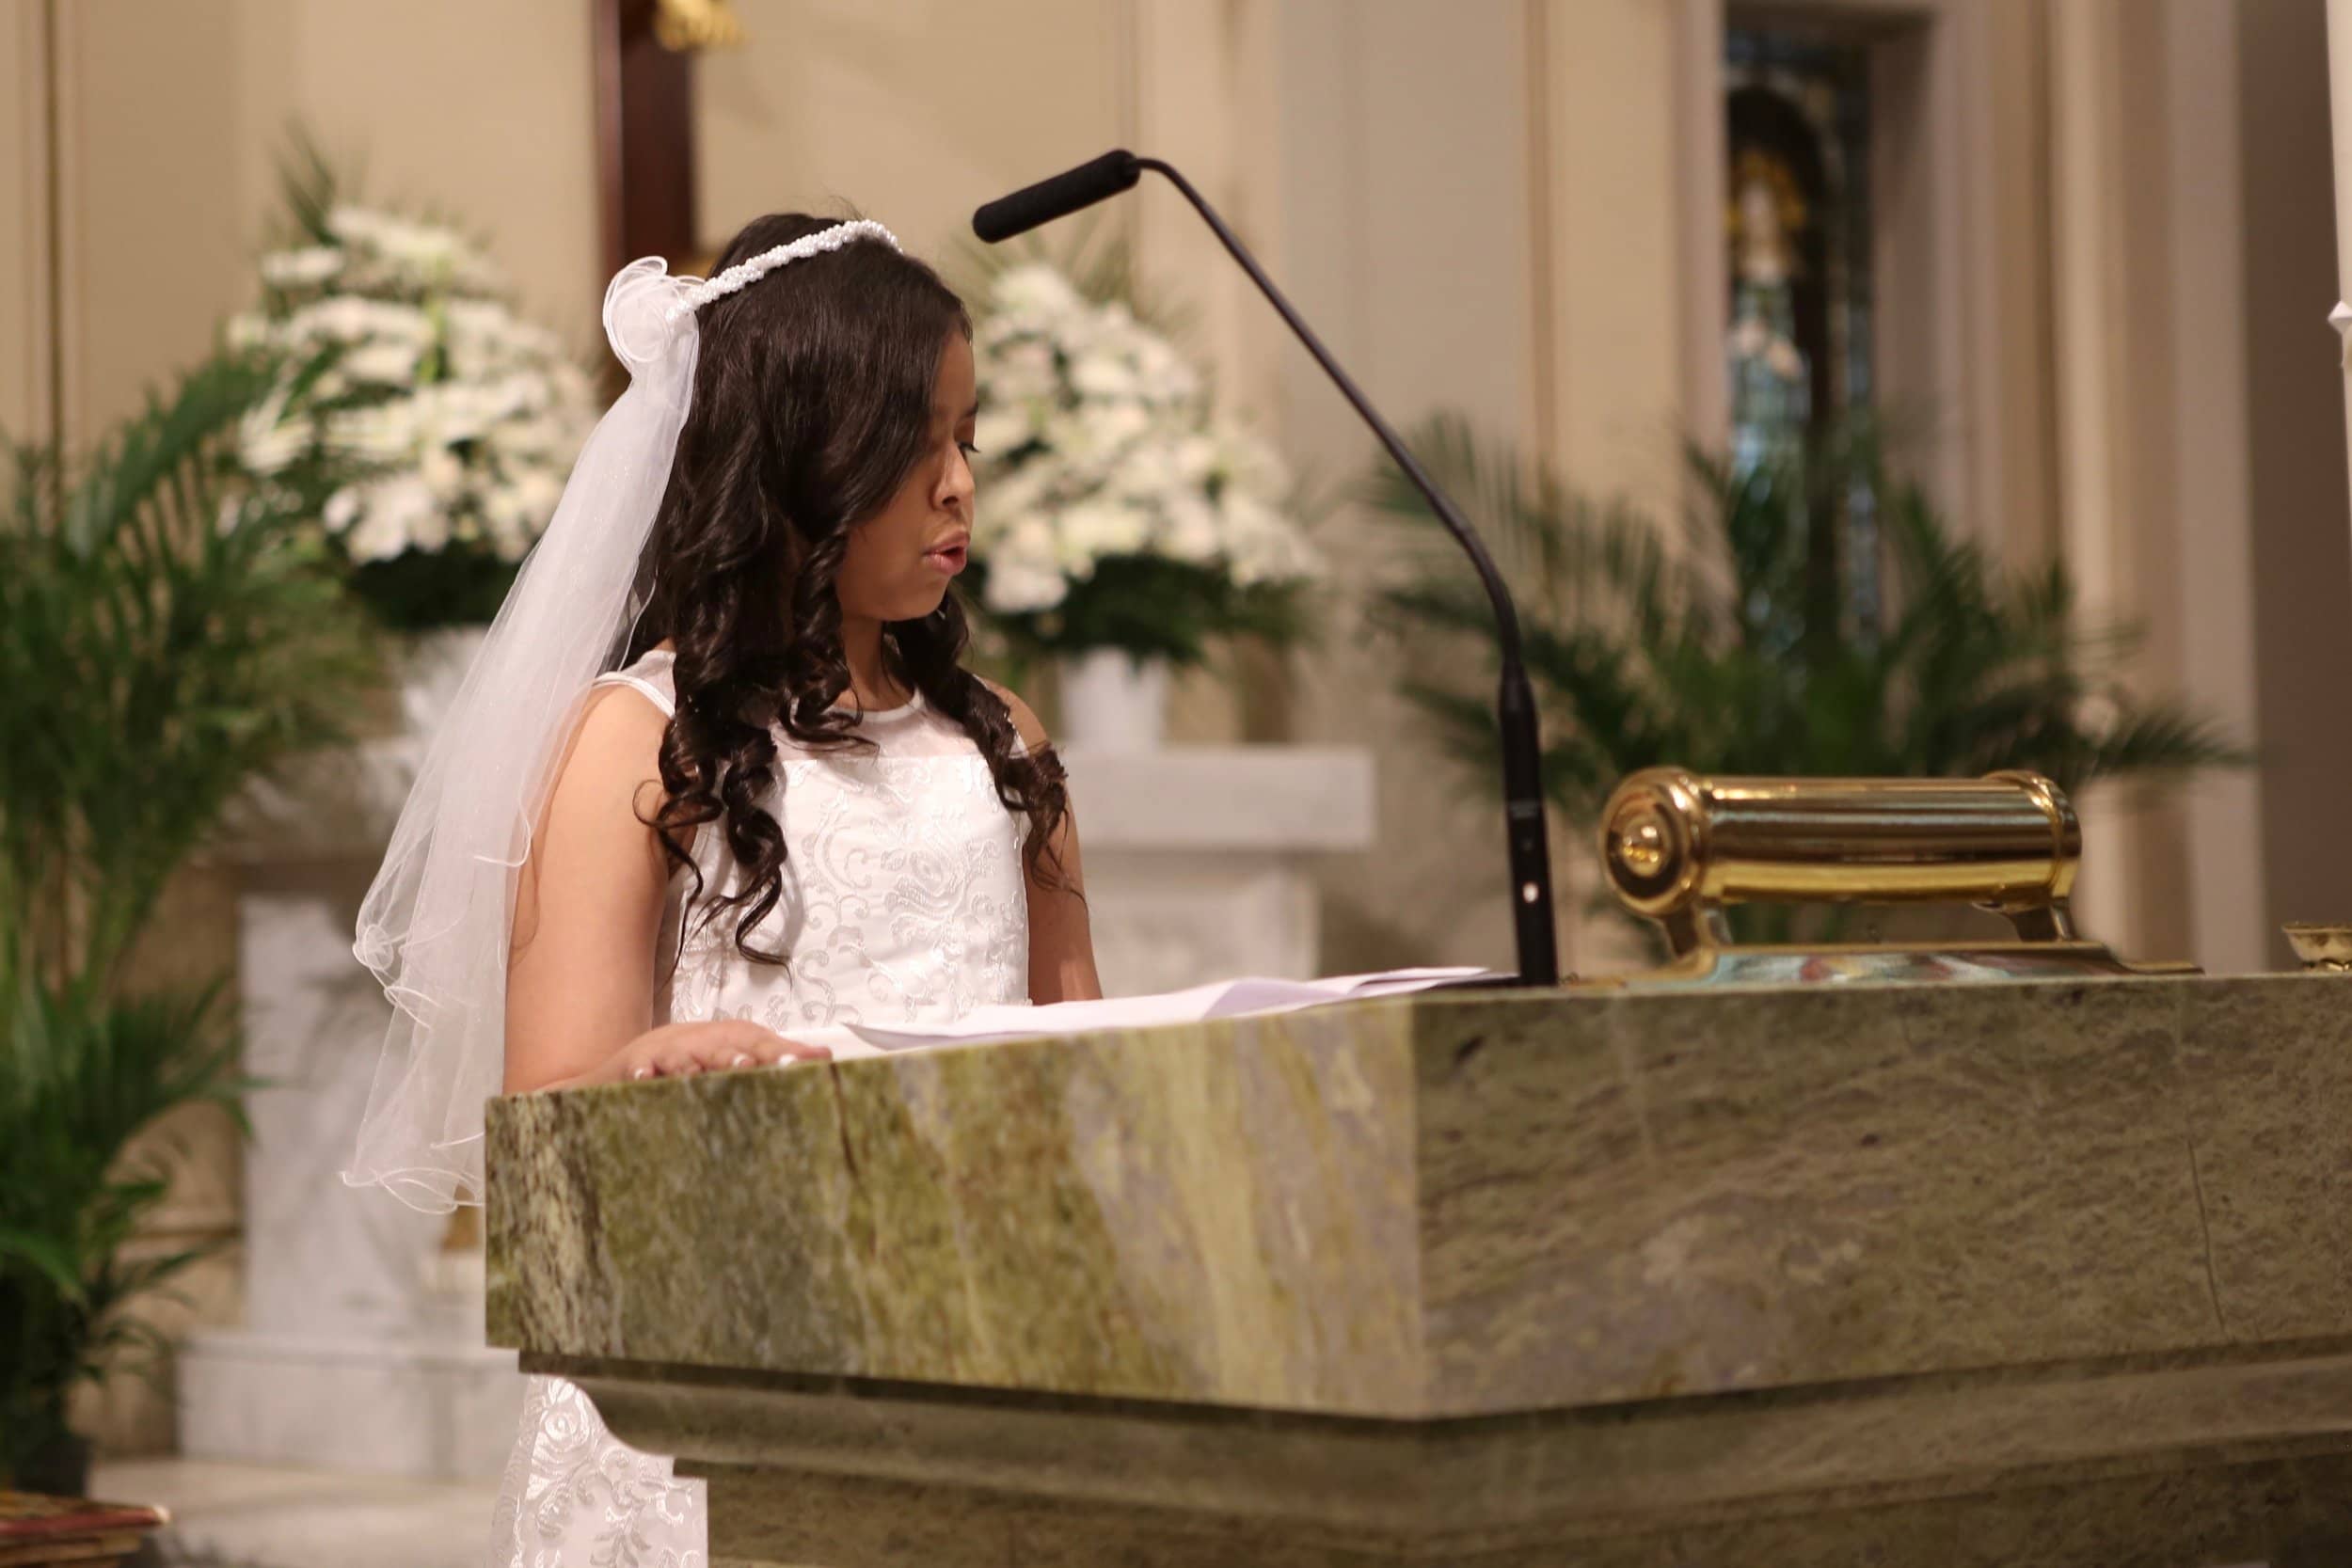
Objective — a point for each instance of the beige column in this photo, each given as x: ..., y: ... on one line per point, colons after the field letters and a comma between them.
x: 1197, y: 87
x: 27, y: 361
x: 2213, y: 515
x: 2340, y: 101
x: 2153, y: 485
x: 2088, y: 339
x: 1625, y: 97
x: 1404, y: 164
x: 1698, y: 109
x: 1613, y: 211
x: 2303, y: 558
x: 1199, y: 90
x: 2012, y: 401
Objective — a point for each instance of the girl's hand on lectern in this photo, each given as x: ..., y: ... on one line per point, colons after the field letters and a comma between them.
x: 717, y: 1045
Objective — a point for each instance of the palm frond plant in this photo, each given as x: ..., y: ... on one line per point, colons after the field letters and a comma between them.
x: 168, y: 632
x: 80, y: 1075
x: 1736, y: 648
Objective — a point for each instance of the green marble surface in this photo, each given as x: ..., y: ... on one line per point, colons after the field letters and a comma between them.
x: 1457, y: 1206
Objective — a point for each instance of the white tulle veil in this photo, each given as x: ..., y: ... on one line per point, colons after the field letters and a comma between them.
x: 435, y: 925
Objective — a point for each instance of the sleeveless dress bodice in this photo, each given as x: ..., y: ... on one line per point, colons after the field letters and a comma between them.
x: 902, y: 899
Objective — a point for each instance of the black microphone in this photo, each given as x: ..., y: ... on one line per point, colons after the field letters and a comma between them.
x: 1059, y: 197
x: 1515, y: 702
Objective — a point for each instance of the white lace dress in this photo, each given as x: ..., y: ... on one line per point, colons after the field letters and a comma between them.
x: 903, y: 898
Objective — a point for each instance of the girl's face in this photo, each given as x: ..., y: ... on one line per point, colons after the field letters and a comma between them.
x: 899, y: 561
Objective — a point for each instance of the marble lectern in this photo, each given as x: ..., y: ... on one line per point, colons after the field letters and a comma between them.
x: 2019, y: 1274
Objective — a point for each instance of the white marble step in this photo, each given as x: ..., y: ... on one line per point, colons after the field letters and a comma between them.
x: 252, y: 1516
x: 383, y: 1407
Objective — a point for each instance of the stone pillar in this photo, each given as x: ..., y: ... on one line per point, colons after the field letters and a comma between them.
x: 2340, y: 101
x: 1200, y: 859
x: 362, y: 1348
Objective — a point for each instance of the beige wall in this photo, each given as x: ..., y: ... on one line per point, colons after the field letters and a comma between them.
x: 1609, y: 141
x: 913, y: 113
x: 485, y: 111
x: 174, y: 117
x: 25, y: 359
x: 1413, y: 238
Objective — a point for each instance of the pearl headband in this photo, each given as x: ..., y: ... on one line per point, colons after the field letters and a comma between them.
x: 744, y: 274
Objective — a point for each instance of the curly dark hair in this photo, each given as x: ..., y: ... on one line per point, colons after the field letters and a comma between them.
x: 812, y: 404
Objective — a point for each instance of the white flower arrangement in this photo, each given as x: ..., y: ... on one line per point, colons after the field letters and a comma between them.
x: 440, y: 419
x: 1100, y: 444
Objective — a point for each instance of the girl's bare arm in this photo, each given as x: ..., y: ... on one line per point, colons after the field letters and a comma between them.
x: 588, y: 905
x: 1062, y: 941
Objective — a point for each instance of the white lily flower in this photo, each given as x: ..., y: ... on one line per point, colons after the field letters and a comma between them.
x: 390, y: 362
x: 1019, y: 587
x: 301, y: 269
x: 1100, y: 441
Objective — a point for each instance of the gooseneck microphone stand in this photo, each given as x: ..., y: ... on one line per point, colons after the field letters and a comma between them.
x: 1515, y: 702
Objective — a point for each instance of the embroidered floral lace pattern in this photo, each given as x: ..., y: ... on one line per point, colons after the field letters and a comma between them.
x: 574, y: 1495
x: 902, y: 899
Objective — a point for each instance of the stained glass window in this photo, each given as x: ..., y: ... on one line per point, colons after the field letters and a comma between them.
x: 1797, y: 236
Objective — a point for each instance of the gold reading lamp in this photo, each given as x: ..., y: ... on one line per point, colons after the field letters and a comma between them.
x: 1679, y: 848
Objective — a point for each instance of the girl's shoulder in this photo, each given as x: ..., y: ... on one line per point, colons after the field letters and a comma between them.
x: 913, y: 730
x: 650, y: 674
x: 1024, y: 722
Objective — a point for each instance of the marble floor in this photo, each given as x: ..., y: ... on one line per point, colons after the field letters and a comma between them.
x: 251, y: 1516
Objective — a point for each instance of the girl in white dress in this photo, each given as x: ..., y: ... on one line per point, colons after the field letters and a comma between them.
x: 783, y: 804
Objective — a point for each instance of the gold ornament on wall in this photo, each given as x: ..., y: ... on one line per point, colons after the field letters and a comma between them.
x: 684, y: 27
x: 1767, y: 211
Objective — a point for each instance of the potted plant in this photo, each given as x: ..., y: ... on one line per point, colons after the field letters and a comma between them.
x: 1755, y: 643
x: 168, y: 633
x: 437, y: 423
x: 1125, y: 527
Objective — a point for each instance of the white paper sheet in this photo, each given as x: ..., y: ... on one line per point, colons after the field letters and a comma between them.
x: 1218, y: 999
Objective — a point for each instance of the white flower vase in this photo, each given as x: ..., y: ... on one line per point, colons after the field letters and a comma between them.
x: 1113, y: 702
x: 432, y: 669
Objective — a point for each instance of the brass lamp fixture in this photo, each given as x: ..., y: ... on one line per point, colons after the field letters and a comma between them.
x: 2322, y: 949
x: 1678, y: 849
x: 684, y: 27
